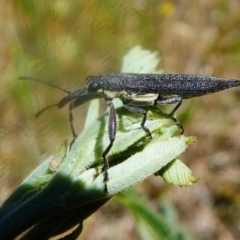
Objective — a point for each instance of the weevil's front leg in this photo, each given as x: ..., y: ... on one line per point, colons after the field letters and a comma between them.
x: 141, y: 112
x: 171, y: 100
x: 71, y: 107
x: 112, y: 129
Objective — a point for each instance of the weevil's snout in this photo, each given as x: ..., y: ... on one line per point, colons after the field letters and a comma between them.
x: 81, y: 93
x: 79, y: 97
x: 93, y: 89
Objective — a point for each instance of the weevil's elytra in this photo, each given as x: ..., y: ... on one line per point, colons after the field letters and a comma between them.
x: 136, y: 91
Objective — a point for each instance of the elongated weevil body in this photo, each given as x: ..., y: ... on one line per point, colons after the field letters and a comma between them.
x: 136, y: 91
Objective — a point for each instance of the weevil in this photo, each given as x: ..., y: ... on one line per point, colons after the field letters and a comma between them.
x: 136, y: 91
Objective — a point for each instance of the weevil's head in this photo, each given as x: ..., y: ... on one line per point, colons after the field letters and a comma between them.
x: 94, y: 84
x: 108, y: 86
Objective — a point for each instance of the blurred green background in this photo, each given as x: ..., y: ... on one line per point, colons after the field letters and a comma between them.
x: 65, y: 41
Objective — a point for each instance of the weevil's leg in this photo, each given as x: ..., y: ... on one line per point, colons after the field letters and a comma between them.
x: 112, y: 129
x: 141, y: 112
x: 71, y: 107
x: 171, y: 100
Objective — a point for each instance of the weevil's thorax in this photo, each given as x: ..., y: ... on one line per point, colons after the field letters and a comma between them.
x: 116, y: 86
x: 113, y: 85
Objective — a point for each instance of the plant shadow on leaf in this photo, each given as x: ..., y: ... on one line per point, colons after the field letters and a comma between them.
x: 55, y: 199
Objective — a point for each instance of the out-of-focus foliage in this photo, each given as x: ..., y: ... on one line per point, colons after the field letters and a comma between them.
x: 159, y: 224
x: 65, y: 41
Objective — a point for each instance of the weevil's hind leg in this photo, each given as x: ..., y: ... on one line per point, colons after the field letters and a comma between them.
x: 141, y: 112
x: 174, y: 119
x: 171, y: 100
x: 71, y: 107
x: 112, y: 129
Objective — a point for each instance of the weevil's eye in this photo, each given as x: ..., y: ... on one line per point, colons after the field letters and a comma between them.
x: 94, y: 86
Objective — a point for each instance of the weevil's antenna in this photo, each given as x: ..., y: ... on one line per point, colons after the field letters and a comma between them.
x: 41, y: 81
x: 50, y: 84
x: 44, y: 109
